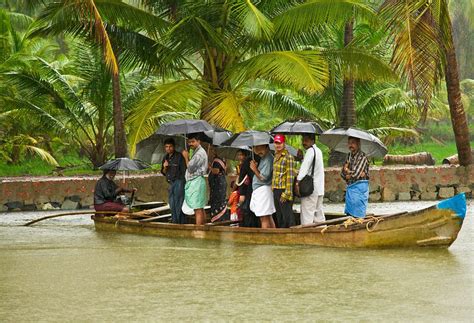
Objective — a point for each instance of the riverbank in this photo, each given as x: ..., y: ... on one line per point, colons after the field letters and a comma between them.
x: 387, y: 184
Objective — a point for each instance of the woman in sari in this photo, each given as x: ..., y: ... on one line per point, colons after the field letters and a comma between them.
x: 245, y: 190
x: 218, y: 189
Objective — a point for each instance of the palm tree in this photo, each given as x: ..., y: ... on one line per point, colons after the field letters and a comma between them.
x: 71, y: 98
x: 84, y: 18
x: 424, y: 51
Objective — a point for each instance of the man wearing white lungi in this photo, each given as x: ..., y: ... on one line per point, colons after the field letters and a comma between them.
x: 262, y: 203
x: 195, y: 190
x: 312, y: 205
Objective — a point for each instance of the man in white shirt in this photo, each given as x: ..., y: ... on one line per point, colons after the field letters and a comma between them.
x: 312, y: 205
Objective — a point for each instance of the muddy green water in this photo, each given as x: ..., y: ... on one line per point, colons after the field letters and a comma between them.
x: 63, y: 270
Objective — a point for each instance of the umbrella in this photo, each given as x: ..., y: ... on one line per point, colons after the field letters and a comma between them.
x: 218, y: 135
x: 248, y: 138
x: 297, y: 128
x: 229, y: 152
x: 152, y: 149
x: 124, y: 164
x: 336, y: 139
x: 183, y: 127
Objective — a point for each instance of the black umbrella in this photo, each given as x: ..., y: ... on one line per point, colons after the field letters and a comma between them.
x: 184, y: 127
x: 248, y: 138
x: 297, y: 128
x: 124, y: 164
x: 336, y: 139
x: 229, y: 152
x: 217, y: 136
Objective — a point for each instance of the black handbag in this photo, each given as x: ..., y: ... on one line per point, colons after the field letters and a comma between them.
x: 306, y: 185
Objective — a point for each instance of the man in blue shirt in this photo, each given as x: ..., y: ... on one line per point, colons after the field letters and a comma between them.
x: 262, y: 203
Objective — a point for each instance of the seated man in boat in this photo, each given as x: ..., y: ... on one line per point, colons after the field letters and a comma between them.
x: 195, y: 191
x: 261, y: 202
x: 174, y: 168
x: 106, y: 193
x: 356, y: 174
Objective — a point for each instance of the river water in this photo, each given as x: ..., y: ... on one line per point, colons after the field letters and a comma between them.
x: 62, y: 269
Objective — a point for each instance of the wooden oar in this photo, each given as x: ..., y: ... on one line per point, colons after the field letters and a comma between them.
x: 71, y: 213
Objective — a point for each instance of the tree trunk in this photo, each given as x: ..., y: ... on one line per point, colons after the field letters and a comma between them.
x: 120, y: 140
x: 347, y: 114
x: 458, y: 115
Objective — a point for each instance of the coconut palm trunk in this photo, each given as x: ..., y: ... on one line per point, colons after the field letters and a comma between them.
x: 347, y: 114
x: 458, y: 115
x: 120, y: 140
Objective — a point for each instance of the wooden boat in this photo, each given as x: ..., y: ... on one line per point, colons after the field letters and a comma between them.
x: 435, y: 226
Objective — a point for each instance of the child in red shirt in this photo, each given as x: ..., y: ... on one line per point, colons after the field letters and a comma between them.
x: 234, y: 202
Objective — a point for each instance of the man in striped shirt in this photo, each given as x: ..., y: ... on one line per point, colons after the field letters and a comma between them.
x: 356, y: 174
x: 282, y: 184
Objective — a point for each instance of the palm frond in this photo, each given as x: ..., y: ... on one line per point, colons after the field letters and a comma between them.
x: 225, y: 111
x: 282, y: 105
x: 308, y: 14
x: 174, y: 97
x: 253, y: 21
x: 302, y: 70
x: 43, y: 154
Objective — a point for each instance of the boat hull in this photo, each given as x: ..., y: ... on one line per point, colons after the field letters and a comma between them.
x: 431, y: 227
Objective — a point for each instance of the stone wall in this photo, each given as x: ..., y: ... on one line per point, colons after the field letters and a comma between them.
x: 386, y: 184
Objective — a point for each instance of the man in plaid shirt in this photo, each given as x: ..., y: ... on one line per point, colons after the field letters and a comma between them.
x: 282, y: 184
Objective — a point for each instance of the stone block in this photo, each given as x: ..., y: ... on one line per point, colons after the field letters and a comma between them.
x: 375, y: 197
x: 337, y: 196
x: 431, y: 188
x: 415, y: 196
x: 463, y: 189
x: 388, y: 195
x: 325, y: 200
x: 48, y: 206
x: 74, y: 198
x: 28, y: 207
x: 87, y: 201
x: 14, y: 205
x: 404, y: 196
x: 428, y: 196
x: 69, y: 205
x: 3, y: 208
x: 446, y: 192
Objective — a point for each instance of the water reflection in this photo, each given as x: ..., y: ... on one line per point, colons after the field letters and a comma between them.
x: 65, y: 270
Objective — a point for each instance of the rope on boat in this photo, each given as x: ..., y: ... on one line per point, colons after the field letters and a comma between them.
x: 373, y: 222
x: 370, y: 222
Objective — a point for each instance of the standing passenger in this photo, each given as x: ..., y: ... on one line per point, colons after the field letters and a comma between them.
x: 312, y: 205
x: 261, y: 202
x: 245, y: 181
x: 356, y: 174
x: 195, y: 191
x: 174, y: 168
x: 217, y: 188
x: 282, y: 183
